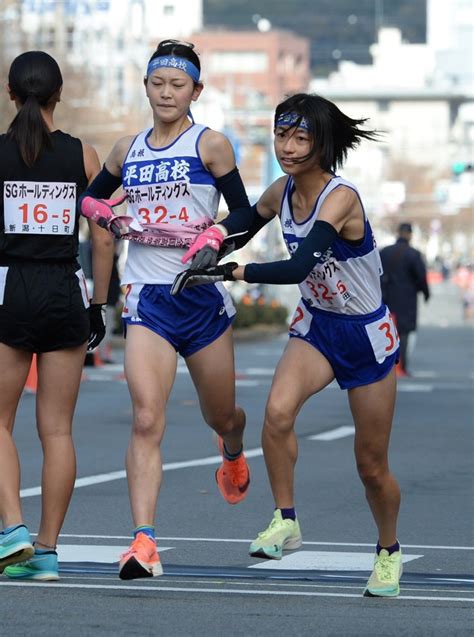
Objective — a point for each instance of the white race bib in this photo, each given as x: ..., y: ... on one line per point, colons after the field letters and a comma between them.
x: 162, y: 203
x: 32, y: 207
x: 383, y: 337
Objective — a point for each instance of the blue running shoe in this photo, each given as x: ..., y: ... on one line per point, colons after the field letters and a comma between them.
x: 15, y: 546
x: 41, y: 567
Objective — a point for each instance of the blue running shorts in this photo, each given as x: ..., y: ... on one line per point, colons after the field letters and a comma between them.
x: 361, y: 349
x: 188, y: 321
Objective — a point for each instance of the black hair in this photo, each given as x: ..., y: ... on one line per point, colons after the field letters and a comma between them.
x: 180, y: 49
x: 34, y: 78
x: 333, y: 132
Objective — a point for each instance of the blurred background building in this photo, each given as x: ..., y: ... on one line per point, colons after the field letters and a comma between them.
x: 407, y: 65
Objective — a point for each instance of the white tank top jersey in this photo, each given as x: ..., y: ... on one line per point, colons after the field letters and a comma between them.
x: 170, y: 186
x: 347, y: 280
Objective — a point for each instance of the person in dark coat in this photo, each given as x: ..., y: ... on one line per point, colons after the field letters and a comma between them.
x: 404, y: 275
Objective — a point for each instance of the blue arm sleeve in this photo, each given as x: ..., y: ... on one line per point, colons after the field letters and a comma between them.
x: 297, y: 268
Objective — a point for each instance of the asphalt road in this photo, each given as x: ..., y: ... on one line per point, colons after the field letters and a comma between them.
x: 210, y: 585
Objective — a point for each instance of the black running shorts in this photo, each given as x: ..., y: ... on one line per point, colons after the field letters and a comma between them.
x: 43, y: 306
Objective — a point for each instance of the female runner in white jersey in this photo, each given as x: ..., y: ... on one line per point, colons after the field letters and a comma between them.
x: 341, y: 329
x: 172, y: 174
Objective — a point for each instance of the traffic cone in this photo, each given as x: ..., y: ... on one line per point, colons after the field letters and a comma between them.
x: 93, y: 359
x: 31, y: 384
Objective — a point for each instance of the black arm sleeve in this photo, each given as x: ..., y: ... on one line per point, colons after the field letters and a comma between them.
x: 233, y: 190
x: 240, y: 214
x: 103, y: 186
x: 257, y: 223
x: 242, y: 217
x: 296, y: 269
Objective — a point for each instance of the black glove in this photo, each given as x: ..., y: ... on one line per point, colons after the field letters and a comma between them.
x: 207, y: 257
x: 190, y: 277
x: 97, y: 325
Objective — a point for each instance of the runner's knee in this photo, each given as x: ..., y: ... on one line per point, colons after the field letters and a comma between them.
x: 372, y: 471
x: 279, y: 419
x: 226, y: 422
x: 146, y: 423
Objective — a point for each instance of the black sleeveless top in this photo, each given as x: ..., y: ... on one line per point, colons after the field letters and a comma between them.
x: 38, y: 216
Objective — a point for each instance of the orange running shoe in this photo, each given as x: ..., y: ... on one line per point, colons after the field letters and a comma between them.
x: 232, y: 477
x: 141, y: 559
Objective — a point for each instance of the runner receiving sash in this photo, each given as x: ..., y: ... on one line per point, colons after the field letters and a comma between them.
x: 340, y: 330
x: 44, y: 304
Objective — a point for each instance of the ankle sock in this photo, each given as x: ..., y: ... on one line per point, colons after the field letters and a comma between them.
x: 232, y: 456
x: 391, y: 549
x: 43, y: 551
x: 148, y: 530
x: 288, y: 514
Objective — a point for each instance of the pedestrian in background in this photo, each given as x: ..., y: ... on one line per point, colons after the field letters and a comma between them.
x: 404, y: 275
x: 44, y: 305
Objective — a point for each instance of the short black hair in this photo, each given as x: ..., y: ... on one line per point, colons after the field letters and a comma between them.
x: 405, y: 227
x: 333, y: 132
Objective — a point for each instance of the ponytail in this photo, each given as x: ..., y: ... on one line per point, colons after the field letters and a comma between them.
x: 34, y: 79
x: 29, y: 131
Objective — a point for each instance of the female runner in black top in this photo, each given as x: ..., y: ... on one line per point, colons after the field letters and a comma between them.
x: 44, y: 305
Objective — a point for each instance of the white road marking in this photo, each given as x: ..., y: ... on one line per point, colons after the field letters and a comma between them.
x: 301, y: 560
x: 119, y: 475
x: 409, y: 387
x: 243, y: 540
x: 240, y: 382
x: 326, y: 561
x: 223, y: 591
x: 104, y: 554
x: 334, y: 434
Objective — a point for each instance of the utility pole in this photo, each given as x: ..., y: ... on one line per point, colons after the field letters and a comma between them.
x: 378, y: 18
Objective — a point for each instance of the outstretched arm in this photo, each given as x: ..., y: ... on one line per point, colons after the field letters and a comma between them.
x: 292, y: 270
x: 341, y: 213
x: 242, y: 223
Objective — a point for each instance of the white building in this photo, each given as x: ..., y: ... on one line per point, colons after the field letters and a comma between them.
x: 450, y: 34
x: 111, y: 40
x: 422, y: 97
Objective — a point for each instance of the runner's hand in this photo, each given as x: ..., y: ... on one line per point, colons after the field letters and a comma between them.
x: 213, y: 274
x: 97, y: 325
x: 101, y: 212
x: 207, y: 257
x: 212, y: 237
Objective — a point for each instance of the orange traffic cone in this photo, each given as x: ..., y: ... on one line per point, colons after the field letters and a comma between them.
x: 93, y: 359
x: 31, y: 384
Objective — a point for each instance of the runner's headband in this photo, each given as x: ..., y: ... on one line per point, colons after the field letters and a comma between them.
x: 292, y: 119
x: 171, y: 61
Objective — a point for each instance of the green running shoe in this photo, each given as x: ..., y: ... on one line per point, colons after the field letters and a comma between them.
x: 41, y: 567
x: 385, y: 578
x: 15, y: 546
x: 281, y: 535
